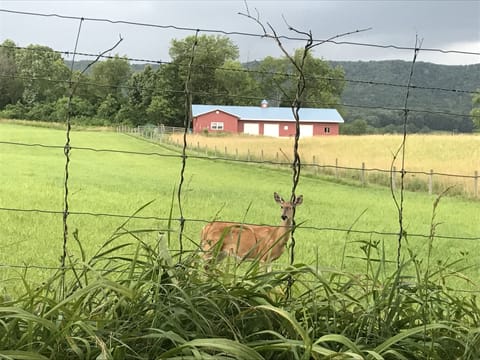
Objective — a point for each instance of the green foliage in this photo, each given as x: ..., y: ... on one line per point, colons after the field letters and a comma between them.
x: 108, y: 108
x: 236, y: 85
x: 44, y: 74
x: 110, y: 76
x: 356, y: 127
x: 77, y: 107
x: 277, y: 79
x: 11, y: 87
x: 475, y: 113
x: 14, y: 111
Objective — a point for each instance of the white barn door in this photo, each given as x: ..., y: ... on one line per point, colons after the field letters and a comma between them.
x: 306, y: 130
x: 271, y: 130
x: 251, y: 128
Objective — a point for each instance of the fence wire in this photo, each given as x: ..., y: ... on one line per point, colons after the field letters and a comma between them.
x: 237, y: 33
x: 296, y: 165
x: 249, y: 71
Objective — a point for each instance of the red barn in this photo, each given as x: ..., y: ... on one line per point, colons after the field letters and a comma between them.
x: 264, y: 120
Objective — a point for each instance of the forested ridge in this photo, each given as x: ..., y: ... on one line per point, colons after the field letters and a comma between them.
x: 373, y: 85
x: 434, y: 90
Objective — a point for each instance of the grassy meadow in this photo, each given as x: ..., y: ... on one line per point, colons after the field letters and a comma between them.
x: 445, y: 154
x: 121, y: 183
x: 141, y: 301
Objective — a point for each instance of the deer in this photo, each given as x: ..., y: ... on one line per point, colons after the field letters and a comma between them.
x: 220, y: 239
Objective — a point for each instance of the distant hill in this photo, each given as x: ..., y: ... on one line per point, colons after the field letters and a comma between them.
x: 458, y: 77
x: 441, y: 81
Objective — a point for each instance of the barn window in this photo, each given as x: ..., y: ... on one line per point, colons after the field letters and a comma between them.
x: 327, y: 130
x: 216, y: 125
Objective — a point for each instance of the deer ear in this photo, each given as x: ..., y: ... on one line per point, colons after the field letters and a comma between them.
x: 298, y: 200
x: 278, y: 198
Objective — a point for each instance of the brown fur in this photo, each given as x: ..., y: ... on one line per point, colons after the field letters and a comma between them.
x: 265, y: 243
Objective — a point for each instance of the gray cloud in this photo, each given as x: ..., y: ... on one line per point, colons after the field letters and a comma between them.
x: 449, y: 25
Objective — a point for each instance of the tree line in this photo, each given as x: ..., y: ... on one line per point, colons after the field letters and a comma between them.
x: 36, y: 83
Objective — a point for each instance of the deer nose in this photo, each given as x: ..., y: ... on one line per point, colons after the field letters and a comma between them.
x: 284, y: 217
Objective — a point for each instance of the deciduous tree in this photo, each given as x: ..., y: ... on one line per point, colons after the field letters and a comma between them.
x: 43, y: 72
x: 11, y: 87
x: 110, y: 78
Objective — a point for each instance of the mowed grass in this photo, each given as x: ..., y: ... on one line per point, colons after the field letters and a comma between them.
x: 121, y: 183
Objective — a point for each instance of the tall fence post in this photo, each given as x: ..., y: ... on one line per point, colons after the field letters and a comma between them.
x: 363, y: 174
x: 430, y: 182
x: 315, y: 167
x: 336, y: 168
x: 475, y: 184
x: 394, y: 176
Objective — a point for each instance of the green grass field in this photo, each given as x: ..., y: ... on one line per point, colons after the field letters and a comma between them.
x: 118, y: 183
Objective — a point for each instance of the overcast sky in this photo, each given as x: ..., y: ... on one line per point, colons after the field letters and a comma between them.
x: 446, y: 25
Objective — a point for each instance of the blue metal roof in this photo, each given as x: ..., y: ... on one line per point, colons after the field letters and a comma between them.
x: 257, y: 113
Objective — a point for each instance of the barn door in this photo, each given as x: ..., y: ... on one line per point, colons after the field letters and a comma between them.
x: 306, y: 130
x: 271, y: 130
x: 251, y: 128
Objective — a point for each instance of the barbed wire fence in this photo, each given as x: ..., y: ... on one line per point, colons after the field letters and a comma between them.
x: 296, y: 165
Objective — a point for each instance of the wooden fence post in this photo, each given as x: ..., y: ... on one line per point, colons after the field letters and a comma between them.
x: 315, y: 167
x: 363, y: 174
x: 336, y: 168
x: 430, y: 182
x: 393, y: 175
x: 226, y: 152
x: 475, y: 184
x: 236, y: 154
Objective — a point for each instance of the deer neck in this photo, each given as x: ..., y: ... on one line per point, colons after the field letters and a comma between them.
x: 285, y: 229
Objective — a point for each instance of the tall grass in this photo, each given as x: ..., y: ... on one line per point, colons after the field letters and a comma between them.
x: 444, y: 154
x: 134, y: 300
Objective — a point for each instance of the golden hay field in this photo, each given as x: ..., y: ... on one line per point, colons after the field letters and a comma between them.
x: 447, y: 154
